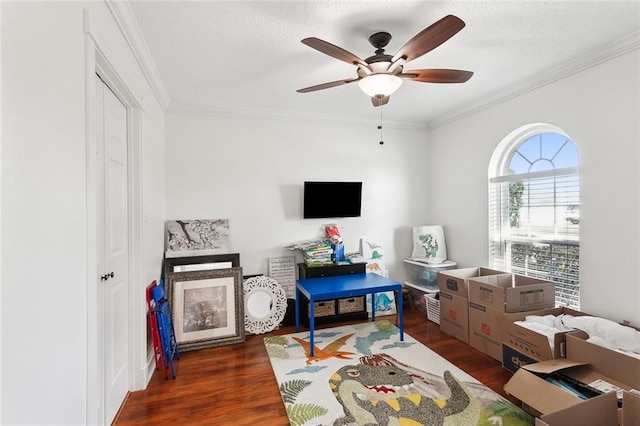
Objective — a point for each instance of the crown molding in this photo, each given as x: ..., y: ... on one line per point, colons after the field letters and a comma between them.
x: 123, y: 15
x: 278, y: 115
x: 121, y: 11
x: 595, y: 57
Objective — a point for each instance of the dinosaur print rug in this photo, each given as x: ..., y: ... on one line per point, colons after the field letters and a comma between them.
x: 363, y: 375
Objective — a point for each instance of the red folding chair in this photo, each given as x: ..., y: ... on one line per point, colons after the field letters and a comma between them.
x: 165, y: 328
x: 152, y: 315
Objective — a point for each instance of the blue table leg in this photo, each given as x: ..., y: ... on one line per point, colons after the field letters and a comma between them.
x: 297, y: 309
x: 373, y: 306
x: 311, y: 325
x: 400, y: 313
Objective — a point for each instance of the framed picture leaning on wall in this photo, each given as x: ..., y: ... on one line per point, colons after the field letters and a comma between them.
x: 207, y: 307
x: 196, y: 263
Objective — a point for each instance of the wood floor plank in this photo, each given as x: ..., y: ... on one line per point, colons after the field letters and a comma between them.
x: 234, y: 384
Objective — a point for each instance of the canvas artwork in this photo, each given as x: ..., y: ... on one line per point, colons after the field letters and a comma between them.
x: 371, y: 248
x: 373, y: 252
x: 197, y: 237
x: 283, y: 270
x: 429, y: 244
x: 385, y: 304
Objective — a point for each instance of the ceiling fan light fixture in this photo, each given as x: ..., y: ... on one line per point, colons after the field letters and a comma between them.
x: 382, y: 84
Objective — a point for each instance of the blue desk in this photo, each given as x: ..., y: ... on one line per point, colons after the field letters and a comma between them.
x: 341, y: 286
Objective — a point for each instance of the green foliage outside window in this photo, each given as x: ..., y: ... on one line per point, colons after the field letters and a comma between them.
x: 516, y: 189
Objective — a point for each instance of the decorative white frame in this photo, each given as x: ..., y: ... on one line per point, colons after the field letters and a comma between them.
x: 259, y: 325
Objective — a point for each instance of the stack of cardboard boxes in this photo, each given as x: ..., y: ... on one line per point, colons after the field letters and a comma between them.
x: 599, y: 368
x: 475, y: 301
x: 454, y: 304
x: 480, y: 306
x: 492, y: 297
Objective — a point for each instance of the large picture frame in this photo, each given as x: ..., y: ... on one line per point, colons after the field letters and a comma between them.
x: 207, y: 307
x: 201, y: 262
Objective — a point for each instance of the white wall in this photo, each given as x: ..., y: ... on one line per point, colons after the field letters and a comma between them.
x: 252, y: 171
x: 600, y: 110
x: 44, y: 206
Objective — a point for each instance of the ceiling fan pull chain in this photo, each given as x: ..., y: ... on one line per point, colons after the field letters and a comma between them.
x: 380, y: 126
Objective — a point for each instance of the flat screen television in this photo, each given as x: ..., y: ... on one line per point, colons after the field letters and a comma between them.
x: 332, y: 199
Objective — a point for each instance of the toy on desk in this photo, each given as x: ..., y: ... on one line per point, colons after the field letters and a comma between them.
x: 333, y: 233
x: 338, y: 253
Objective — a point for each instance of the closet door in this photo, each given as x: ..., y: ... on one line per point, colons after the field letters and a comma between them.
x: 114, y: 280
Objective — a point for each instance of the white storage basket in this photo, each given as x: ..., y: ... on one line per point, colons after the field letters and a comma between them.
x: 433, y: 308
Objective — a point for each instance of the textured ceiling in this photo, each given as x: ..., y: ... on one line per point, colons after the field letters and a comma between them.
x: 244, y: 57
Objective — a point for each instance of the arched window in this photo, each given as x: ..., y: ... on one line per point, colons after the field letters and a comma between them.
x: 534, y: 208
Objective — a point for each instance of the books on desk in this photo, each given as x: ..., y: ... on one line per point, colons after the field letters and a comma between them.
x: 355, y: 258
x: 318, y: 255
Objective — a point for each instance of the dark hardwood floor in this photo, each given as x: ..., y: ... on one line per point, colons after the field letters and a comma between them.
x: 234, y: 385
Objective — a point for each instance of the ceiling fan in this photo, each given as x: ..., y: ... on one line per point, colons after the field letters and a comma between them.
x: 380, y: 75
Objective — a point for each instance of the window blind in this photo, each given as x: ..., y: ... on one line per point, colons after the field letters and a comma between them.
x: 534, y: 228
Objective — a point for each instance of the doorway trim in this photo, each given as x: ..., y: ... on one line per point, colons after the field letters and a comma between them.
x: 100, y: 60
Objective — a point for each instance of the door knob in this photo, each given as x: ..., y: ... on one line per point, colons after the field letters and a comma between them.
x: 106, y: 276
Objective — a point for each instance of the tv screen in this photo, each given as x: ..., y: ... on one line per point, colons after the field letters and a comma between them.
x: 331, y: 199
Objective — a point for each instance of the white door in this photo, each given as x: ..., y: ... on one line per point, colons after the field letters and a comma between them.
x: 114, y: 270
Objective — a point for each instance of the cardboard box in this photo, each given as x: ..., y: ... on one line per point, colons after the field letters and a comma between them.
x: 454, y: 316
x: 455, y: 281
x: 585, y: 362
x: 522, y: 346
x: 487, y: 333
x: 599, y: 411
x: 485, y: 329
x: 630, y: 415
x: 537, y: 395
x: 614, y: 364
x: 512, y: 293
x: 490, y: 297
x: 513, y: 359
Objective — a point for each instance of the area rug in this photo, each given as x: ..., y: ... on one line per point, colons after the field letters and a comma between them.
x: 363, y: 375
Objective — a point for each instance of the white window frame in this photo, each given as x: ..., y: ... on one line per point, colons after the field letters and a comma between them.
x: 497, y: 174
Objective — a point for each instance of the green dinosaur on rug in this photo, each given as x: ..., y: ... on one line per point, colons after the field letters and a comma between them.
x: 373, y: 395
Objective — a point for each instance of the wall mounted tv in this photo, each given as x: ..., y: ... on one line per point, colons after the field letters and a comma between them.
x: 332, y: 199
